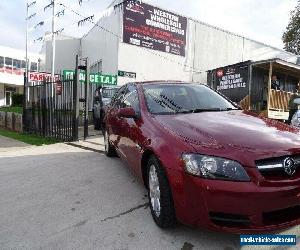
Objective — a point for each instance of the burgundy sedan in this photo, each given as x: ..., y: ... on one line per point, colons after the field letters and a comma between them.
x: 204, y: 161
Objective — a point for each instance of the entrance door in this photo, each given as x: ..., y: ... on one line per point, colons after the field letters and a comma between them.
x: 8, y: 95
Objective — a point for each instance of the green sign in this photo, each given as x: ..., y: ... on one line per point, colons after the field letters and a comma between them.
x: 126, y: 74
x: 96, y: 78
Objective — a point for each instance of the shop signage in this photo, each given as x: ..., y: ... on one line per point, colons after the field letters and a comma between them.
x: 41, y: 76
x: 232, y: 81
x: 10, y: 70
x: 95, y: 78
x: 122, y: 73
x: 150, y: 27
x: 58, y: 87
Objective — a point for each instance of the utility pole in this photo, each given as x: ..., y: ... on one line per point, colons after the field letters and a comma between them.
x: 86, y: 101
x: 26, y: 65
x: 28, y: 5
x: 75, y: 112
x: 53, y: 40
x: 25, y: 88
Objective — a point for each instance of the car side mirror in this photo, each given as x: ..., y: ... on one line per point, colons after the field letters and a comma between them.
x: 127, y: 112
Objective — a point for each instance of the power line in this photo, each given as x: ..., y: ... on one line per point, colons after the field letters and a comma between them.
x: 40, y: 11
x: 49, y: 19
x: 58, y: 14
x: 50, y: 5
x: 150, y: 51
x: 31, y: 4
x: 111, y: 4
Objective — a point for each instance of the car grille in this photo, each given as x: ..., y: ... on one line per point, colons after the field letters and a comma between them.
x: 273, y: 169
x: 229, y: 220
x: 281, y: 216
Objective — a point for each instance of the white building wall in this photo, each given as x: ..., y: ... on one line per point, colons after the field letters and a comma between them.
x: 150, y: 65
x: 207, y: 48
x: 102, y: 45
x: 66, y: 50
x: 215, y: 47
x: 257, y: 51
x: 15, y: 78
x: 2, y: 97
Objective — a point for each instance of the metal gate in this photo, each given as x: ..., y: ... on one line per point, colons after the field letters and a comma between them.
x: 51, y: 109
x: 58, y: 108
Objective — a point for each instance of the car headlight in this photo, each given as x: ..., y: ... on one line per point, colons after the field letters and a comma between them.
x: 214, y: 167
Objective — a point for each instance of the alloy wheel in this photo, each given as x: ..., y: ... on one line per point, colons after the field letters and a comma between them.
x: 106, y: 141
x: 154, y: 190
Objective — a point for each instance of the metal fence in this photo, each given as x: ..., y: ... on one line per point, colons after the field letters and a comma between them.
x: 50, y: 109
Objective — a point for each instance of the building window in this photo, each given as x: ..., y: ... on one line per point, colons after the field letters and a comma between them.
x: 8, y: 62
x: 8, y: 95
x: 1, y: 61
x: 23, y: 64
x: 17, y: 64
x: 33, y: 66
x: 96, y: 68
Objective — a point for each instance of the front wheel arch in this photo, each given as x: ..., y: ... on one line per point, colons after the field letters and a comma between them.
x: 167, y: 216
x: 145, y: 157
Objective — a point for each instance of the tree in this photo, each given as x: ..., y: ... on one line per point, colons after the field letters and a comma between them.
x: 291, y: 37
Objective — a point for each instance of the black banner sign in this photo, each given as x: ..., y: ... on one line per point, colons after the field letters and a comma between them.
x: 154, y: 28
x: 232, y: 81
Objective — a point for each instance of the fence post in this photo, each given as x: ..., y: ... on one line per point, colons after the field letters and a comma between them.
x: 25, y: 91
x: 76, y: 101
x: 86, y: 92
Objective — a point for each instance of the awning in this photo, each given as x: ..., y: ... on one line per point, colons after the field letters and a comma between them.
x: 280, y: 66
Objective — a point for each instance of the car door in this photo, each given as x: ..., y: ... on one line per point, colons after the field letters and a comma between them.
x: 114, y: 122
x: 132, y: 137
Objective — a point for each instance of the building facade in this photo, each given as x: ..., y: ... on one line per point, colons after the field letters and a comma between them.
x: 149, y: 43
x: 12, y: 68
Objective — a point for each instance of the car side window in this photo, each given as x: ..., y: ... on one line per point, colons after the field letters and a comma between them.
x: 119, y: 96
x: 131, y: 99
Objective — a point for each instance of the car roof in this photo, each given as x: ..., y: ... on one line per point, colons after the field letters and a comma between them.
x: 110, y: 87
x: 164, y: 82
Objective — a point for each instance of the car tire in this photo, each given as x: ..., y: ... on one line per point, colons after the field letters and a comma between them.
x: 109, y: 149
x: 97, y: 125
x: 160, y: 195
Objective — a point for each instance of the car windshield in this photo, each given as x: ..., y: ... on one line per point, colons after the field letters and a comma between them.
x: 184, y: 98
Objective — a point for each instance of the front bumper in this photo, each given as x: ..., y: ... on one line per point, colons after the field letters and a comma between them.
x: 240, y: 207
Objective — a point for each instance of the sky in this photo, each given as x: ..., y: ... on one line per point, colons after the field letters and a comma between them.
x: 261, y: 20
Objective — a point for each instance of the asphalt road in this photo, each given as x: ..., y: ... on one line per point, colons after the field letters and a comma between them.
x: 63, y: 197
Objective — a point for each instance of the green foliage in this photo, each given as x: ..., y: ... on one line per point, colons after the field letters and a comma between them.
x: 17, y: 100
x: 291, y: 37
x: 18, y: 110
x: 27, y: 138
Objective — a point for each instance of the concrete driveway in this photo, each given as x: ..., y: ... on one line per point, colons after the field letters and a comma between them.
x: 63, y: 197
x: 8, y: 143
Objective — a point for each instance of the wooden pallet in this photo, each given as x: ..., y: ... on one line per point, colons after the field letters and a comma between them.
x: 279, y: 100
x: 245, y: 103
